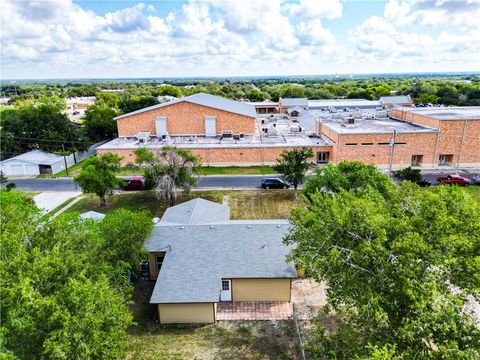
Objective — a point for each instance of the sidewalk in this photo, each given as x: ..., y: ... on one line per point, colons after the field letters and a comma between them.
x: 50, y: 200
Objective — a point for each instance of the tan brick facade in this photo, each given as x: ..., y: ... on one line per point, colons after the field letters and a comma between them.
x: 457, y: 139
x: 229, y: 156
x: 184, y: 118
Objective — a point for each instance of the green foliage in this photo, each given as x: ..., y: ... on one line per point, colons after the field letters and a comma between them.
x: 409, y: 174
x: 62, y: 296
x: 43, y: 126
x: 99, y: 123
x: 125, y: 232
x: 10, y: 186
x: 107, y: 99
x: 98, y: 175
x: 169, y: 169
x: 3, y: 177
x: 136, y: 103
x: 347, y: 175
x: 400, y: 264
x: 293, y: 165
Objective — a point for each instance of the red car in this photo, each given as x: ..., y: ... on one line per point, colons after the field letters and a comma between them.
x: 135, y: 183
x: 454, y: 180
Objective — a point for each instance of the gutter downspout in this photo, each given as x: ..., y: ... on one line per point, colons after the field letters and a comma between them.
x: 461, y: 144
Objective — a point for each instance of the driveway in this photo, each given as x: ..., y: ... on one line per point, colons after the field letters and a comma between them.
x: 51, y: 199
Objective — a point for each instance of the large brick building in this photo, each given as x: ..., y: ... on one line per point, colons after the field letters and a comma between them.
x: 224, y: 132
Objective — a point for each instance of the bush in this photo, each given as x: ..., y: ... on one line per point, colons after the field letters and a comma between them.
x: 408, y: 174
x: 10, y: 186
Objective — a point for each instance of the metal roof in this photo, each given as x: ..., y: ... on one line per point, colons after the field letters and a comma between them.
x: 199, y: 256
x: 343, y: 103
x: 196, y: 211
x: 212, y: 101
x: 37, y: 157
x: 94, y: 215
x: 303, y: 102
x: 400, y: 99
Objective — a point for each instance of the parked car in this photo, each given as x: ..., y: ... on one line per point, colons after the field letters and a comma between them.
x: 476, y: 179
x: 274, y: 183
x: 454, y: 180
x: 76, y: 113
x: 135, y: 183
x: 424, y: 183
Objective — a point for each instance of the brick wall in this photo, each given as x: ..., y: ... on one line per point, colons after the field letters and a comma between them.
x: 378, y: 152
x: 184, y: 118
x: 229, y: 156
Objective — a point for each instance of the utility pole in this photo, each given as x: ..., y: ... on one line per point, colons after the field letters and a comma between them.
x: 392, y: 152
x: 64, y: 159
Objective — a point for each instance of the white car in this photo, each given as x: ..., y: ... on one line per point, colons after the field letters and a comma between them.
x: 476, y: 179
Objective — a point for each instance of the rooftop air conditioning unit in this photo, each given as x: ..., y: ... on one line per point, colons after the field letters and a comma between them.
x: 227, y: 134
x: 143, y: 136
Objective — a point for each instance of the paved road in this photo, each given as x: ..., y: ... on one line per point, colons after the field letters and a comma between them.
x: 206, y: 182
x: 210, y: 182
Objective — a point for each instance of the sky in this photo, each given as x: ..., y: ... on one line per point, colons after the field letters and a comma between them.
x: 45, y: 39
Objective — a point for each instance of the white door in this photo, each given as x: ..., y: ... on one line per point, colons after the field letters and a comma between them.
x: 210, y: 126
x: 161, y: 125
x: 226, y: 292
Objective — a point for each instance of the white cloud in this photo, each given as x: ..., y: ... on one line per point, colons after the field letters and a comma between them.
x: 58, y: 38
x: 309, y: 9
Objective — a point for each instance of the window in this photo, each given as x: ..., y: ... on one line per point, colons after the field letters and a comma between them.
x: 144, y: 266
x: 400, y: 143
x: 159, y: 260
x: 225, y: 285
x: 367, y: 144
x: 384, y: 144
x: 351, y: 144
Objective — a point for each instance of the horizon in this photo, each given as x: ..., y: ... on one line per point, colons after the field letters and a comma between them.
x: 254, y: 77
x: 80, y: 39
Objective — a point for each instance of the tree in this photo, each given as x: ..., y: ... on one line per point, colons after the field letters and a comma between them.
x: 58, y: 297
x: 136, y: 103
x: 169, y: 169
x: 99, y: 123
x: 409, y: 174
x: 3, y: 178
x: 293, y: 165
x: 347, y: 175
x: 124, y: 232
x: 399, y: 270
x: 98, y: 175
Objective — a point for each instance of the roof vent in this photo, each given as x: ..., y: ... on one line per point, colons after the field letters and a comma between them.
x: 279, y: 225
x: 249, y: 226
x: 264, y: 246
x: 156, y: 220
x: 211, y: 226
x: 182, y: 227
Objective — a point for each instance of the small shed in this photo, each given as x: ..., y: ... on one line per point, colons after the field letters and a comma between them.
x: 34, y: 162
x: 94, y: 215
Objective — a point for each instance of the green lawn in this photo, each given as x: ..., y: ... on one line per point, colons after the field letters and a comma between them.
x: 237, y: 170
x: 135, y: 170
x: 244, y: 204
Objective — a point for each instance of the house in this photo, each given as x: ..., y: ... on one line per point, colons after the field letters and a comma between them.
x: 201, y: 259
x: 34, y: 162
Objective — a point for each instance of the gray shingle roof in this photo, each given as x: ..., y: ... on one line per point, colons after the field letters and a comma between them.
x: 199, y: 256
x: 212, y: 101
x: 196, y: 211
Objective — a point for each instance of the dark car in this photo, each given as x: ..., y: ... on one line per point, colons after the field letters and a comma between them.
x: 135, y: 183
x: 274, y: 183
x: 454, y: 180
x: 424, y: 183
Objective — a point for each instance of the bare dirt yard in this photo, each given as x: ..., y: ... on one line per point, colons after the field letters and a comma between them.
x: 249, y: 340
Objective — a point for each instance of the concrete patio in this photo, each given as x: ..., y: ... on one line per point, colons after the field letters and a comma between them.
x: 254, y: 310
